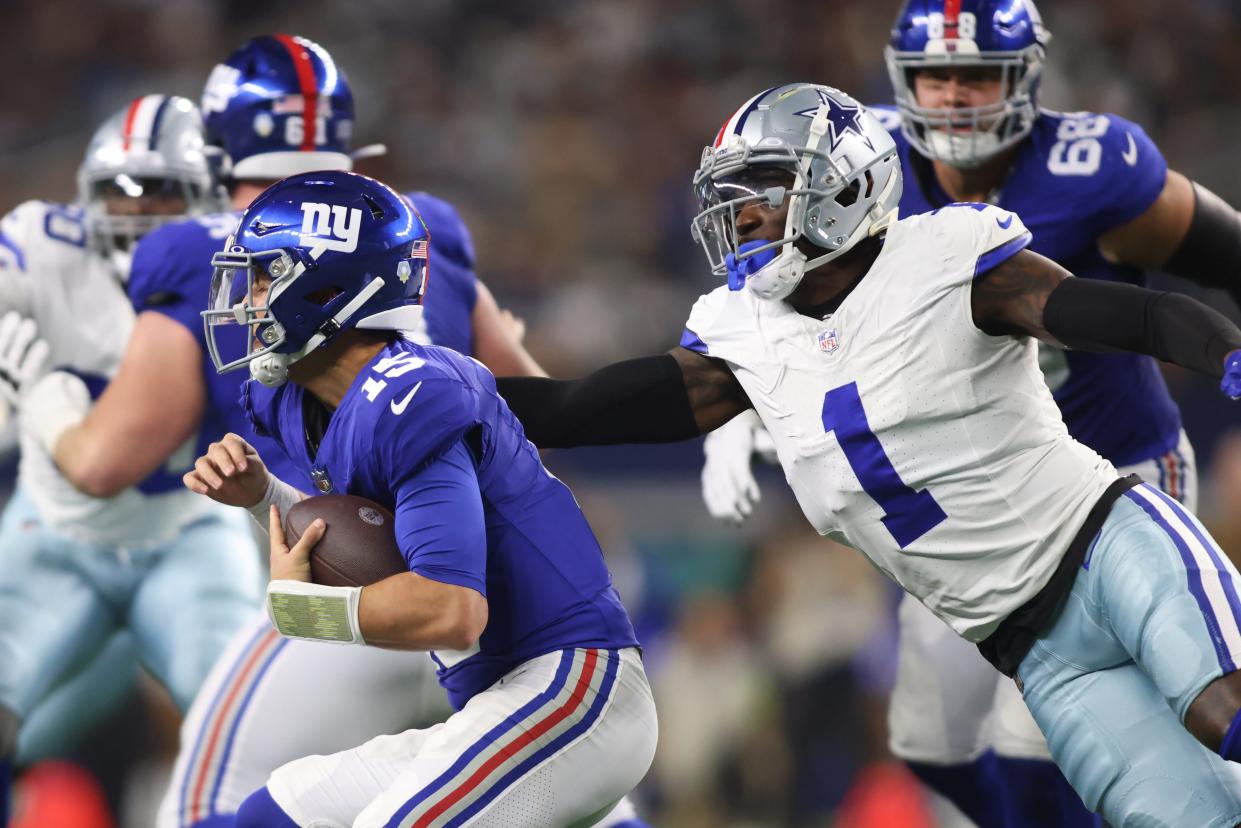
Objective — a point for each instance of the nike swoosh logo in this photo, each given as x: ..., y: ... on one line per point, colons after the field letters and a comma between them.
x: 1005, y: 222
x: 1130, y: 155
x: 399, y: 407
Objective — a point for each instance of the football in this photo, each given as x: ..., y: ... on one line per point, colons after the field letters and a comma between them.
x: 359, y: 546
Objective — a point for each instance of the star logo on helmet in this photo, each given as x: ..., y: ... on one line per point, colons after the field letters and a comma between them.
x: 841, y: 119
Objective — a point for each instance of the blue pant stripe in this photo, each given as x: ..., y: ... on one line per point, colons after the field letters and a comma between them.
x: 1194, y: 575
x: 489, y: 738
x: 506, y: 781
x: 1216, y: 554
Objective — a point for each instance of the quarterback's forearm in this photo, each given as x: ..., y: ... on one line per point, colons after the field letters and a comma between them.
x: 1094, y: 315
x: 410, y: 612
x: 637, y: 401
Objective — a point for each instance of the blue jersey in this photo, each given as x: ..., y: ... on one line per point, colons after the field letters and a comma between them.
x: 1077, y: 176
x: 423, y: 431
x: 171, y: 274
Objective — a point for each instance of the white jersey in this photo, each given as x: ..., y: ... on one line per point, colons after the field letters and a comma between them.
x: 908, y: 433
x: 48, y: 272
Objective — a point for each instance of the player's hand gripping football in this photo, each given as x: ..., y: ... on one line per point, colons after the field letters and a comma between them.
x: 231, y: 472
x: 728, y: 485
x: 1231, y: 383
x: 23, y: 359
x: 291, y: 564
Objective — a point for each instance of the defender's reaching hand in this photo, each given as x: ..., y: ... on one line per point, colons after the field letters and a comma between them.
x: 1231, y: 383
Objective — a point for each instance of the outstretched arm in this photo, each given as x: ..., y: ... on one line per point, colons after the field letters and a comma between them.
x: 1032, y: 295
x: 658, y: 399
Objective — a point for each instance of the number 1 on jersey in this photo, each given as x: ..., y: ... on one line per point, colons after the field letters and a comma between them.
x: 908, y: 514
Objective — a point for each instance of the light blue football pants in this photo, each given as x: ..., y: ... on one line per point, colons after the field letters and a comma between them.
x: 61, y: 600
x: 1153, y: 617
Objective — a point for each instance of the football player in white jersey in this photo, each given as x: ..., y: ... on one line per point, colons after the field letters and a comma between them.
x: 895, y: 365
x: 74, y: 569
x: 1096, y: 192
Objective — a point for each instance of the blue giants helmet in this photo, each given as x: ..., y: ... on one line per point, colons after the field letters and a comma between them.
x: 314, y: 255
x: 279, y: 106
x: 1005, y: 34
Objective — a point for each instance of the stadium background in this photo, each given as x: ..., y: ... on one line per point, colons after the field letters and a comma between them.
x: 566, y: 132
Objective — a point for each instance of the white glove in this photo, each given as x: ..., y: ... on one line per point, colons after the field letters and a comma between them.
x: 23, y: 359
x: 728, y: 485
x: 52, y: 406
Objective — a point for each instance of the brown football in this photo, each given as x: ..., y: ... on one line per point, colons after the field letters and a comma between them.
x: 359, y: 546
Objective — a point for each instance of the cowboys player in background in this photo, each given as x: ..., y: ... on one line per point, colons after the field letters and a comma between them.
x: 76, y: 570
x: 1099, y: 199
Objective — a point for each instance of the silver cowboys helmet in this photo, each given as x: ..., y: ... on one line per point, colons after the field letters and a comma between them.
x: 145, y: 166
x: 814, y: 147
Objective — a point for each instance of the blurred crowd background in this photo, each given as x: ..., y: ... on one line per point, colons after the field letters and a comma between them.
x: 566, y: 131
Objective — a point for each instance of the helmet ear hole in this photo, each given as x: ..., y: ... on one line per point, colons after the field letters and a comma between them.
x: 323, y: 296
x: 849, y: 195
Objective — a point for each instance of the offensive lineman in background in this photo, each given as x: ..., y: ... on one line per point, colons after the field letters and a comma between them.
x: 76, y: 570
x: 278, y: 106
x: 1099, y: 199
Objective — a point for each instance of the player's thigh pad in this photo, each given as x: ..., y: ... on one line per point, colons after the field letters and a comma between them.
x: 557, y: 742
x: 1151, y: 619
x: 1158, y: 584
x: 943, y: 692
x: 270, y: 700
x: 52, y: 617
x: 201, y: 588
x: 1126, y: 753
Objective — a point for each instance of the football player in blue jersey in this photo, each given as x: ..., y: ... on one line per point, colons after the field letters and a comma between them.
x: 894, y: 364
x: 1099, y: 199
x: 76, y: 571
x: 506, y: 584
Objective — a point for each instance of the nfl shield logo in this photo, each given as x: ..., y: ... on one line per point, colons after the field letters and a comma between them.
x: 828, y: 341
x: 322, y: 482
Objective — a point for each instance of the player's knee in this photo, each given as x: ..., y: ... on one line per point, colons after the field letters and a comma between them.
x: 1214, y: 717
x: 10, y: 722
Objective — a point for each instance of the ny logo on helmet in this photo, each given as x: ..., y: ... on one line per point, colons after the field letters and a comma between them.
x: 329, y: 227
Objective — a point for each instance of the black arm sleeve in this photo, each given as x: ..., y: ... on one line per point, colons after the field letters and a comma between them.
x: 1210, y: 253
x: 637, y: 401
x: 1093, y: 315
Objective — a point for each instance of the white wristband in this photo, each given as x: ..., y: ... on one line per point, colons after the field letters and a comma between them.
x: 278, y: 492
x: 315, y: 612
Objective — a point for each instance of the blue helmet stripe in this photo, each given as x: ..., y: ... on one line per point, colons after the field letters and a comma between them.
x: 753, y: 106
x: 157, y: 120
